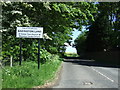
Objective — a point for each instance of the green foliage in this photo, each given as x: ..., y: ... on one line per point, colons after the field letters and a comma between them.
x: 103, y: 34
x: 37, y: 14
x: 98, y: 33
x: 46, y: 56
x: 28, y: 75
x: 80, y: 43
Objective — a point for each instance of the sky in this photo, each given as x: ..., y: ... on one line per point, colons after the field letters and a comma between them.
x: 76, y: 33
x: 70, y: 48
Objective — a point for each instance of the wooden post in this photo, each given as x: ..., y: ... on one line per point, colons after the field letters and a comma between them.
x: 11, y: 61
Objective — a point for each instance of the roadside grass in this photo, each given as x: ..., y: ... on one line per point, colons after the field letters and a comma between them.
x: 0, y: 77
x: 28, y: 75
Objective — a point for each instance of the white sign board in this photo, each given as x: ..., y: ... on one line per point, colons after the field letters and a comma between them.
x: 29, y: 32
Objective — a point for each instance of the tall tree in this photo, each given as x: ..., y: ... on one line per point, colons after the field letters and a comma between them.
x: 102, y: 34
x: 57, y: 19
x: 80, y: 43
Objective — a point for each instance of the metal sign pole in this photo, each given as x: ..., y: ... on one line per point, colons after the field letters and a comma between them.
x: 20, y: 52
x: 39, y: 53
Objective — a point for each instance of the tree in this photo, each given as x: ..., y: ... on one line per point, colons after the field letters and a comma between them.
x: 80, y: 43
x: 57, y: 19
x: 98, y: 34
x: 102, y: 33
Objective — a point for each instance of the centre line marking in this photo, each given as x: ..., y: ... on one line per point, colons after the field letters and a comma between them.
x: 103, y: 75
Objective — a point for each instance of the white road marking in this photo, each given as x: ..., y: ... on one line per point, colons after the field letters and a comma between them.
x: 103, y: 75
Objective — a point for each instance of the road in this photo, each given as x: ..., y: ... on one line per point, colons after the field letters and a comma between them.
x: 87, y: 74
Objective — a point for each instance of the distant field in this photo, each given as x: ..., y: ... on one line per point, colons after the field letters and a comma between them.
x: 69, y: 54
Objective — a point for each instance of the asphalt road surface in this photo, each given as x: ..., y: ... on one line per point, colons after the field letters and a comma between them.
x: 87, y: 74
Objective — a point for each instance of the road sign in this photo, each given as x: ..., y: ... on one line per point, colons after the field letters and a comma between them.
x: 29, y: 32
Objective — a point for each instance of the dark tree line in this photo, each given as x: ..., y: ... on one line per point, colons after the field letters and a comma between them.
x: 103, y: 34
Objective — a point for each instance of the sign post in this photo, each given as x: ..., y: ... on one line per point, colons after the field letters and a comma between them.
x: 30, y: 32
x: 20, y: 52
x: 38, y: 53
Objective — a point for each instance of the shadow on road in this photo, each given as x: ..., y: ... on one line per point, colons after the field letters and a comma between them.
x: 86, y: 62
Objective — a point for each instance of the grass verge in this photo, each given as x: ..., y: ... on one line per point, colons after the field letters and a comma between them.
x: 28, y: 75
